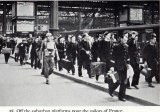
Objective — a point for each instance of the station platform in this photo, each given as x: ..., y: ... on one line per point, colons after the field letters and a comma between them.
x: 145, y: 95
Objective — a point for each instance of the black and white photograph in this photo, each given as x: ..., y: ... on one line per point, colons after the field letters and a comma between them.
x: 102, y: 54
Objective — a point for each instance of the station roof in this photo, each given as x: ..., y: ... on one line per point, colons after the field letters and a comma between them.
x: 87, y: 6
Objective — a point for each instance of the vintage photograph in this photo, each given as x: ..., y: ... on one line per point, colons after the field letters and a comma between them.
x: 79, y: 53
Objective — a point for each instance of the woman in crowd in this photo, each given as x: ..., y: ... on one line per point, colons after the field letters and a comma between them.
x: 49, y: 51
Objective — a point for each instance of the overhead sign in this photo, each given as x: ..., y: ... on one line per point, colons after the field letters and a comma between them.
x: 25, y: 9
x: 25, y: 25
x: 136, y: 14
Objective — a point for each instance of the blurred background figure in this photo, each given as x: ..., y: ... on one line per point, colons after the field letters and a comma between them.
x: 7, y: 44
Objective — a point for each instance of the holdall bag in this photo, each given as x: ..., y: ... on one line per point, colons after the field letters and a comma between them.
x: 114, y: 76
x: 146, y: 71
x: 6, y: 50
x: 16, y: 50
x: 98, y: 68
x: 66, y: 64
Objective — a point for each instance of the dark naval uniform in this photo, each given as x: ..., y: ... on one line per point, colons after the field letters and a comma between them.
x: 120, y: 56
x: 71, y: 53
x: 84, y: 57
x: 104, y: 53
x: 23, y: 49
x: 34, y: 54
x: 61, y: 51
x: 150, y: 54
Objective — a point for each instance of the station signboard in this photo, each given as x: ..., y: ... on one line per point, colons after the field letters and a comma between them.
x: 131, y: 15
x: 25, y: 9
x: 136, y: 15
x: 25, y: 25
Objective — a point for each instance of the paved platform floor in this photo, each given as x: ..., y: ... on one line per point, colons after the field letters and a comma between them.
x: 144, y: 95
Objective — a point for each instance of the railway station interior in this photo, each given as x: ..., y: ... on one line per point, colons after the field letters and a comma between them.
x: 27, y: 19
x: 78, y: 17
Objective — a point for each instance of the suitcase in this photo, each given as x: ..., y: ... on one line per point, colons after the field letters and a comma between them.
x: 98, y: 68
x: 6, y: 50
x: 66, y: 64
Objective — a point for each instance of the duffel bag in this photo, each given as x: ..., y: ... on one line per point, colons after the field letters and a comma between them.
x: 6, y: 50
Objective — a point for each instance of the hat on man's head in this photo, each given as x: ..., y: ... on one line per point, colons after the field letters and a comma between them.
x: 60, y: 38
x: 48, y: 34
x: 79, y: 36
x: 126, y: 31
x: 106, y: 33
x: 69, y: 36
x: 59, y: 35
x: 133, y: 32
x: 84, y: 34
x: 152, y: 35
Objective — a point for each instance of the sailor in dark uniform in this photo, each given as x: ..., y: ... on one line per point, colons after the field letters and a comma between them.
x: 71, y: 52
x: 120, y: 58
x: 150, y: 55
x: 84, y: 55
x: 23, y: 49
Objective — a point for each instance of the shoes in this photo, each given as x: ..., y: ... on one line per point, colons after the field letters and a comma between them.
x: 90, y: 76
x: 129, y: 88
x: 72, y: 73
x: 47, y: 81
x: 80, y: 76
x: 150, y: 85
x: 122, y: 99
x: 135, y: 87
x: 97, y: 77
x: 111, y: 94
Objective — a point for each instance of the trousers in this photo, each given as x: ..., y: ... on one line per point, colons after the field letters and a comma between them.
x: 113, y: 86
